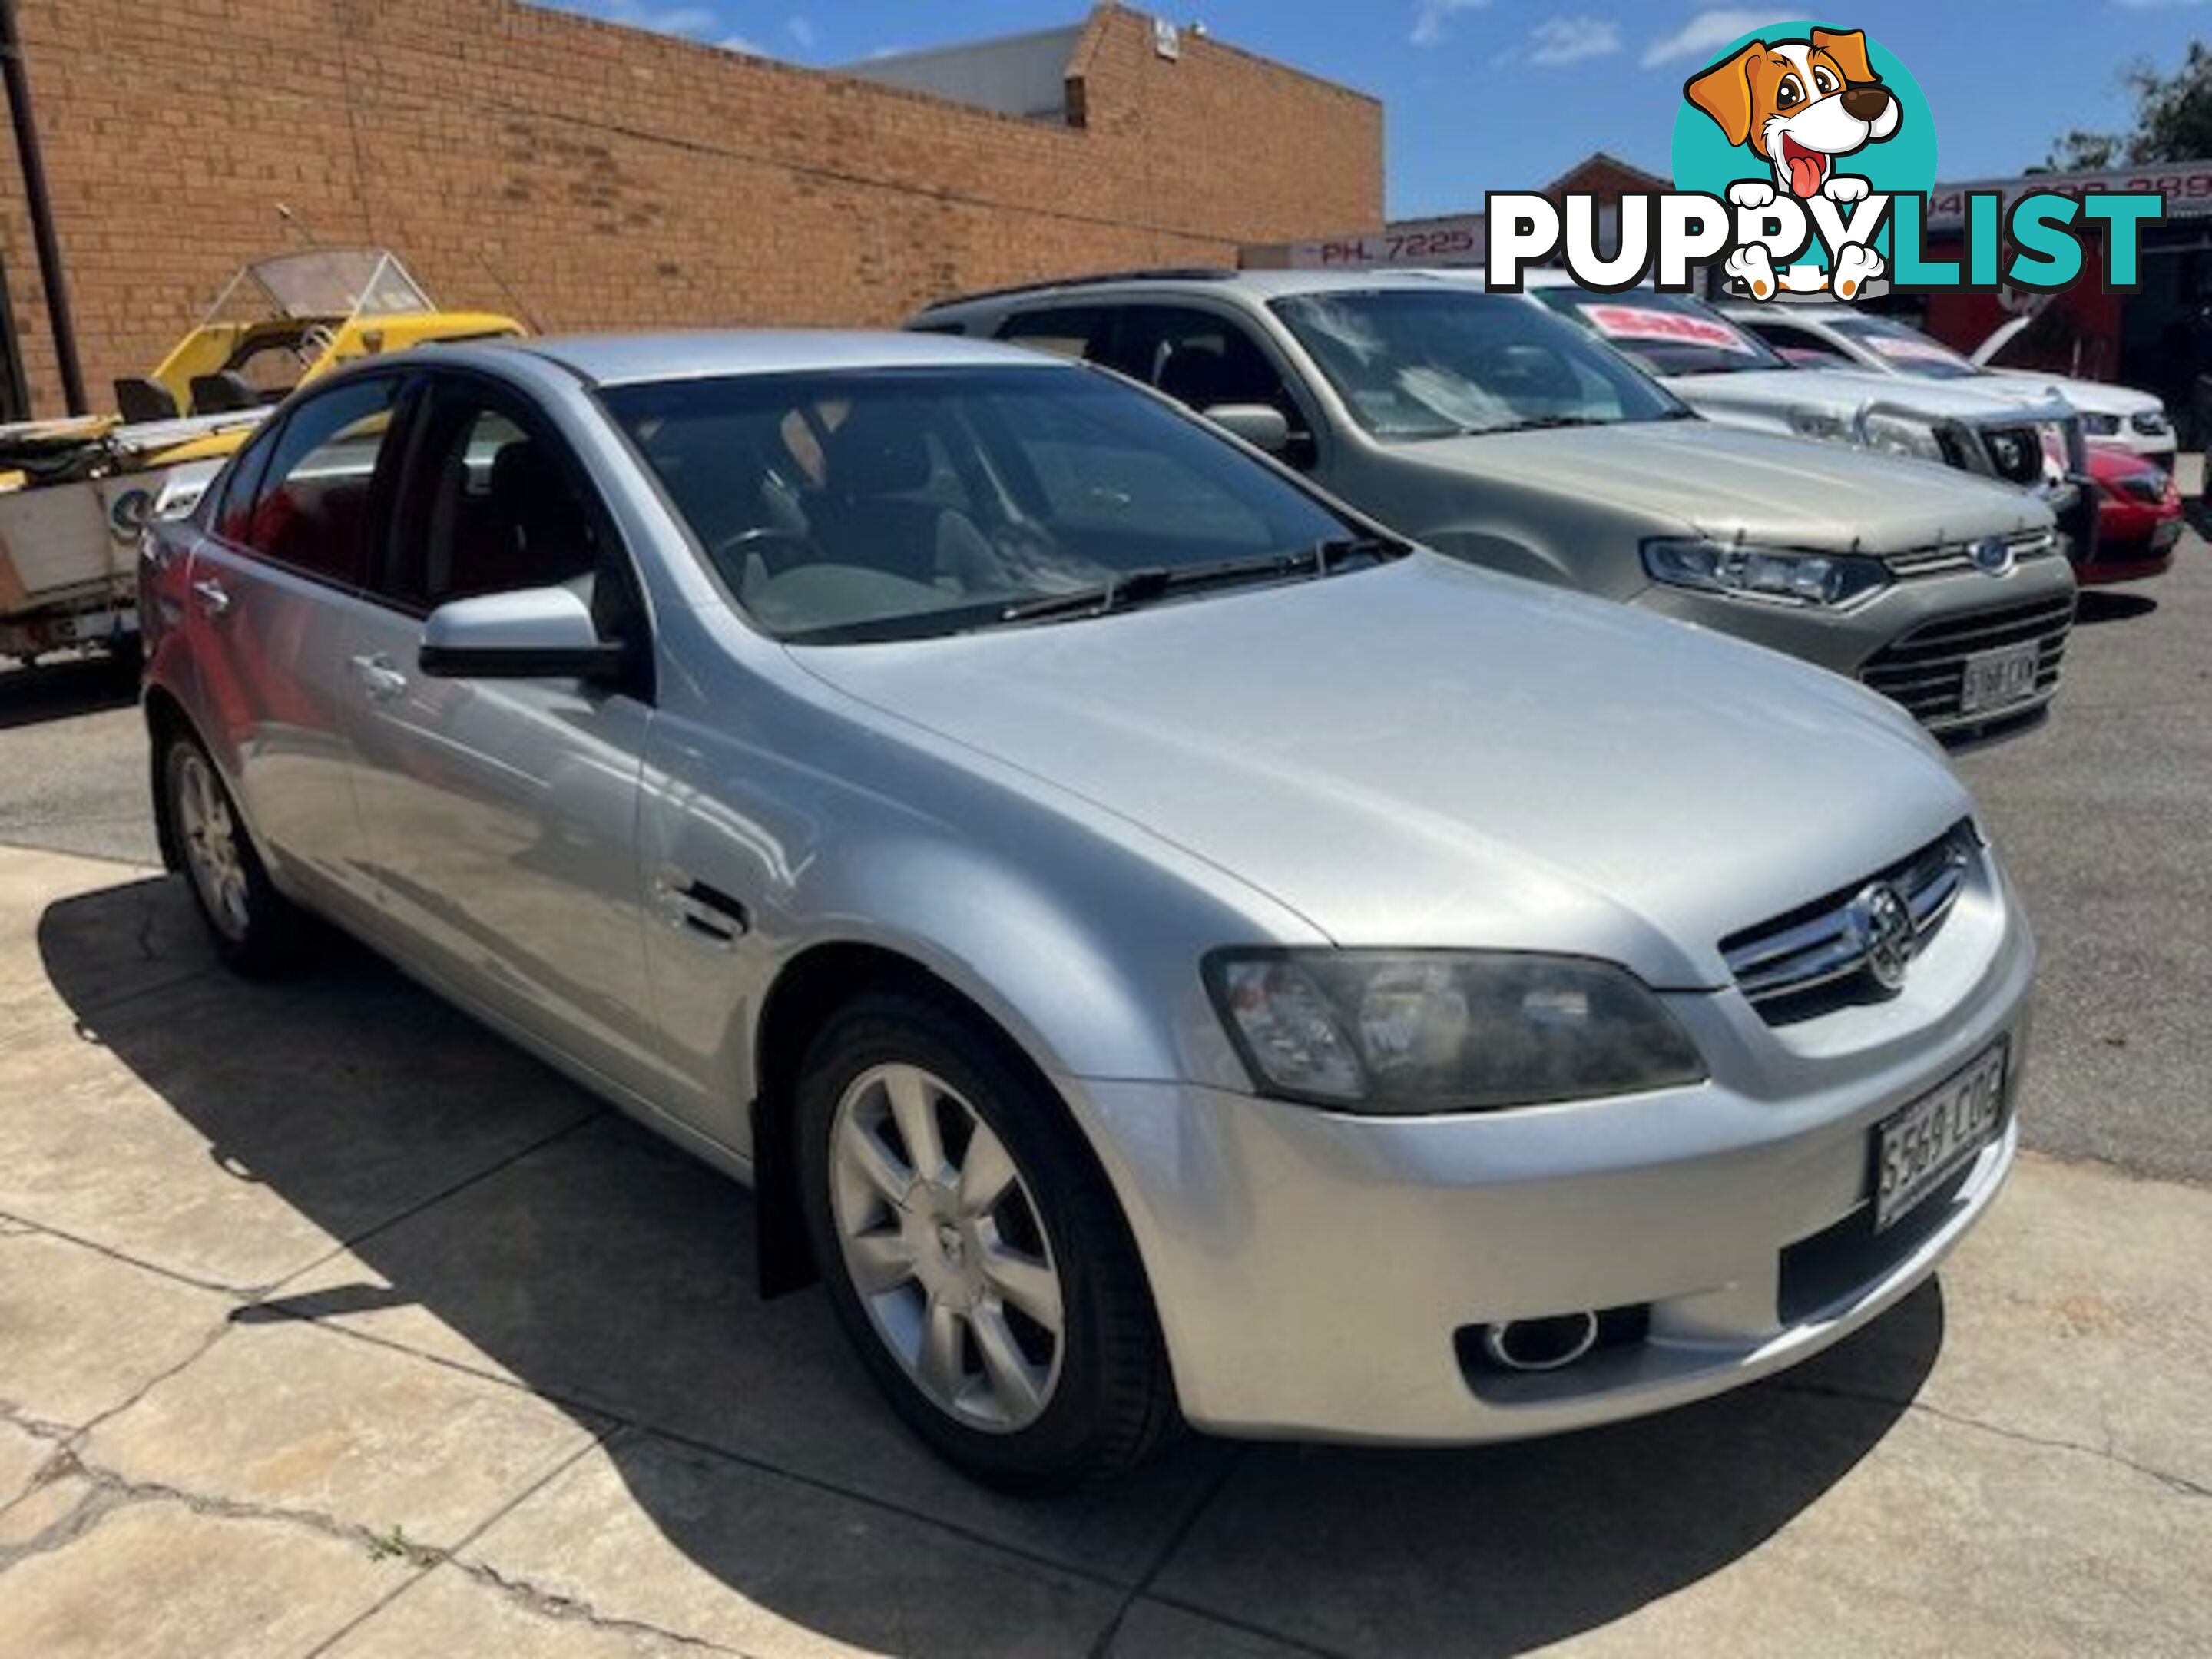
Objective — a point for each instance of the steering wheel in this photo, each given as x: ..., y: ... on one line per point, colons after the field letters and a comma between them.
x: 778, y: 550
x: 312, y: 344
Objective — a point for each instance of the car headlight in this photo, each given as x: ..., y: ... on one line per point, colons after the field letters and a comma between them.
x: 1402, y: 1033
x: 2151, y: 422
x: 2100, y: 426
x: 1826, y: 578
x: 1885, y: 434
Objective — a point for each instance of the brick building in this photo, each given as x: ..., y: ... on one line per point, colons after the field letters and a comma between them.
x: 588, y: 175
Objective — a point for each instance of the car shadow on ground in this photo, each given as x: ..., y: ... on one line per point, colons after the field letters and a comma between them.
x: 2103, y: 605
x: 56, y: 690
x: 606, y: 1271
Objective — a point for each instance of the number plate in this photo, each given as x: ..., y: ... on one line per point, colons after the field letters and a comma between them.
x: 1916, y: 1148
x: 1994, y: 678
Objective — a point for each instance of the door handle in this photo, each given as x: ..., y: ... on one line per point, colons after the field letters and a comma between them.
x: 214, y: 597
x: 379, y: 676
x: 705, y: 912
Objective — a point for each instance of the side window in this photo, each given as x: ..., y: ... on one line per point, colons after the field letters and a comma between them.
x: 494, y: 502
x: 1064, y: 330
x: 311, y: 513
x: 229, y: 508
x: 1201, y: 360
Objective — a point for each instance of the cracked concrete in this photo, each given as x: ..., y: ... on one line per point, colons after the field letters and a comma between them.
x: 333, y: 1326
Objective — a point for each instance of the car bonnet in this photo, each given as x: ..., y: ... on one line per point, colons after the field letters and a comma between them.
x: 1425, y: 754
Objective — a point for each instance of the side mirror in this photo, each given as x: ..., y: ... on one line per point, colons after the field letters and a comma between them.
x: 535, y: 633
x: 1257, y: 424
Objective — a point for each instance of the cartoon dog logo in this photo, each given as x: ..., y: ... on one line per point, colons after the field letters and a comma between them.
x: 1799, y: 104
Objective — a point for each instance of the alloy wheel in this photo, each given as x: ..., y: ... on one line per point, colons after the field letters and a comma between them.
x: 944, y: 1245
x: 214, y: 855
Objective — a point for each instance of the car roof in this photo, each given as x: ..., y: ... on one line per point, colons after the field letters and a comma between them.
x: 629, y: 359
x: 1250, y: 284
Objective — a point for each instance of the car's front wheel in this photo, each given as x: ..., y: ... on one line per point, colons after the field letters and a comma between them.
x: 973, y: 1252
x: 255, y: 927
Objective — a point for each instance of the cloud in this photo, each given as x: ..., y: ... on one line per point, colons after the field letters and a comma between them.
x: 1557, y: 40
x: 802, y: 32
x: 744, y: 43
x: 1706, y: 33
x: 1431, y: 16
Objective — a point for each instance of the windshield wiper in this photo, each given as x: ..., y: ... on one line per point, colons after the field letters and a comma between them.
x: 1546, y: 423
x: 1149, y: 582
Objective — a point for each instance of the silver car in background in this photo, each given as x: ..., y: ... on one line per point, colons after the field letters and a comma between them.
x: 1157, y: 945
x: 1483, y: 427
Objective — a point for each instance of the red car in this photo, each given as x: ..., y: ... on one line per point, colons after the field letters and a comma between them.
x: 2138, y: 519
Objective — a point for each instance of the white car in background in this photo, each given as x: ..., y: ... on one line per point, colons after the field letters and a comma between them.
x: 1828, y: 335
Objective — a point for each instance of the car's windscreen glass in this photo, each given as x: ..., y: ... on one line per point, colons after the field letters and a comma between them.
x: 1905, y: 347
x: 1667, y: 334
x: 1416, y: 363
x: 902, y: 503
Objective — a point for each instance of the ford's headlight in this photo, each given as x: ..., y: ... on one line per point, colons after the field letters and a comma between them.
x: 1407, y: 1032
x: 1826, y: 578
x: 2100, y: 425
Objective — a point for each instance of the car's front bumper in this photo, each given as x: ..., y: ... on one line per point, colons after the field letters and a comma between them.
x: 1327, y: 1276
x: 1896, y: 642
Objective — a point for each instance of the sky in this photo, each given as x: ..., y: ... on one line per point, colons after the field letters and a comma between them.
x: 1507, y: 95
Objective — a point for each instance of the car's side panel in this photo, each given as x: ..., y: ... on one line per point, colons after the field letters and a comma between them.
x: 1047, y: 917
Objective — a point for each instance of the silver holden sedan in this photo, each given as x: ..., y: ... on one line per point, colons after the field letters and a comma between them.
x: 1159, y: 947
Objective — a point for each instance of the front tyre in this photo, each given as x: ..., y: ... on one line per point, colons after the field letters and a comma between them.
x: 973, y: 1253
x: 254, y: 927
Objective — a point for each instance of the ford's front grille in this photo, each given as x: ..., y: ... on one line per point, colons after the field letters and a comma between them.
x: 1822, y: 947
x: 1926, y: 669
x: 1943, y: 558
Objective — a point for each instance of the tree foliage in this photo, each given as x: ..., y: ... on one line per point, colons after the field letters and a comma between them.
x: 2173, y: 120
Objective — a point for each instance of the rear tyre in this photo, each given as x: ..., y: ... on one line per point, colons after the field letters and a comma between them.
x: 254, y: 927
x: 973, y: 1252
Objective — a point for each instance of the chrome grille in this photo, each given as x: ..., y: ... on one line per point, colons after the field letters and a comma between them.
x: 1926, y: 669
x: 1823, y: 945
x: 1946, y: 557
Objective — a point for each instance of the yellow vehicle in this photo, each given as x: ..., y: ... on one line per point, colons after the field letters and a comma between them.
x: 74, y: 492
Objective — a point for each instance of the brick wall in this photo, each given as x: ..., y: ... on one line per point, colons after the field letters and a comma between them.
x: 591, y: 176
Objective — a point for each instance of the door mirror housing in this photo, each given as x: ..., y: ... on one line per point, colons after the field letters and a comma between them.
x: 1257, y: 424
x: 534, y: 633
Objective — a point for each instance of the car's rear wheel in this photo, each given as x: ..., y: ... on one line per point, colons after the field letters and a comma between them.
x: 973, y: 1252
x: 254, y: 927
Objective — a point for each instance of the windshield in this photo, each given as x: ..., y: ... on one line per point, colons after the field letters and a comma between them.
x: 1667, y: 334
x: 1412, y: 364
x: 903, y: 503
x: 1905, y: 348
x: 321, y: 283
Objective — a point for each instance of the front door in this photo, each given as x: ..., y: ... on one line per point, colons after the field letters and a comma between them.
x: 502, y: 813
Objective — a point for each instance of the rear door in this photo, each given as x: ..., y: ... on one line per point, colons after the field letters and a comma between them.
x: 503, y: 812
x: 275, y: 614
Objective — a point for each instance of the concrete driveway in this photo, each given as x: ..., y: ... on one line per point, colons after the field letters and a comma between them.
x: 331, y: 1324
